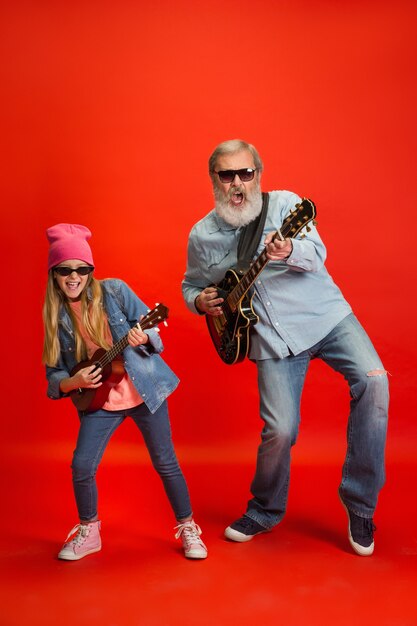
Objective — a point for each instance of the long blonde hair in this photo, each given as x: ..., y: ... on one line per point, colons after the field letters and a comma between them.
x: 92, y: 315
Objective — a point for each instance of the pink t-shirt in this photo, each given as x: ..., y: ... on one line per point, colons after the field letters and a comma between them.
x: 123, y: 395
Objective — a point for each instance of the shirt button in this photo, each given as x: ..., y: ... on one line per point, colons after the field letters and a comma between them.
x: 133, y: 378
x: 268, y: 304
x: 259, y: 282
x: 121, y: 319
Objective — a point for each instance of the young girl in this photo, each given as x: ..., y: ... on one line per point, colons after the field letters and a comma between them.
x: 82, y: 314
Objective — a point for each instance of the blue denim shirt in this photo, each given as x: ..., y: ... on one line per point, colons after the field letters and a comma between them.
x: 296, y: 300
x: 151, y: 376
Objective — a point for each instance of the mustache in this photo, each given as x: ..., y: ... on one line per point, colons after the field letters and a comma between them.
x: 237, y: 189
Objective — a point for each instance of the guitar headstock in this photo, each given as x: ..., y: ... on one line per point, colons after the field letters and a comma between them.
x: 300, y: 217
x: 153, y: 318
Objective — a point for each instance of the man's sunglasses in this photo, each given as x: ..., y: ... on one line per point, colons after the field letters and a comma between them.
x: 83, y: 270
x: 228, y: 176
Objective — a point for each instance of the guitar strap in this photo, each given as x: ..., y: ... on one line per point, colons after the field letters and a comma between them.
x: 250, y: 237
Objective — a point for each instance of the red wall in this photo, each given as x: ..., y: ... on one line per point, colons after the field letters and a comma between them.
x: 110, y: 111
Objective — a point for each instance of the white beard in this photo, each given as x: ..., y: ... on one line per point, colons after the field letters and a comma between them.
x: 234, y: 215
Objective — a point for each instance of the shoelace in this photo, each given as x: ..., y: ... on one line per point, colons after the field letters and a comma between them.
x: 362, y: 528
x: 246, y: 522
x: 82, y: 531
x: 368, y: 528
x: 189, y: 531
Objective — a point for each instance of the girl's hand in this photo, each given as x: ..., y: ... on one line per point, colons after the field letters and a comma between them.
x: 87, y: 378
x: 136, y: 336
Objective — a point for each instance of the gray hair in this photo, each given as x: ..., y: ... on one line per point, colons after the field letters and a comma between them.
x: 230, y: 147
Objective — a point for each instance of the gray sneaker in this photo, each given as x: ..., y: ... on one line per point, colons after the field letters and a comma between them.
x: 361, y: 533
x: 244, y: 529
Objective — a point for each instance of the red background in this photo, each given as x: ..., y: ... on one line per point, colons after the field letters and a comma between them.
x: 110, y: 111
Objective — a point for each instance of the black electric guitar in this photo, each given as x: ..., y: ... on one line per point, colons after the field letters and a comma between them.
x: 86, y: 399
x: 230, y: 330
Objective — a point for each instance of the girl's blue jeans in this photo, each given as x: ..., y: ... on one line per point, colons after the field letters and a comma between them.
x: 349, y: 351
x: 95, y: 432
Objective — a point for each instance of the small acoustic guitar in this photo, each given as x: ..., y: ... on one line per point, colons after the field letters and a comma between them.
x: 230, y: 330
x: 112, y: 370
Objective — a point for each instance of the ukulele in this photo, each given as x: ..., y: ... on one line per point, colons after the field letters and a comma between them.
x: 112, y: 371
x: 230, y: 330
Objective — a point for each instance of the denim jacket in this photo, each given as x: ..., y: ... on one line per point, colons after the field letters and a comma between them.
x: 151, y: 376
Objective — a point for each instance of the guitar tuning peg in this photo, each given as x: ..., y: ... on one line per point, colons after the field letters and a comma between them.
x: 308, y: 229
x: 302, y: 236
x: 314, y: 222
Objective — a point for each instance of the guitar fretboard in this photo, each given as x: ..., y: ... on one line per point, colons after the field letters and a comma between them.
x: 153, y: 318
x: 290, y: 227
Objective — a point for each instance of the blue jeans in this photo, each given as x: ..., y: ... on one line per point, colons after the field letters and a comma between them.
x: 348, y: 350
x: 95, y: 432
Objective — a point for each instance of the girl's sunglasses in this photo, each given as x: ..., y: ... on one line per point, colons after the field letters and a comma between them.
x: 83, y: 270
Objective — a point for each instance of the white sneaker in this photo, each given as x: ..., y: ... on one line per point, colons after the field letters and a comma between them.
x: 193, y: 546
x: 86, y: 541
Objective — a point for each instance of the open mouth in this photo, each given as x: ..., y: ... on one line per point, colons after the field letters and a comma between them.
x: 237, y: 198
x: 72, y: 286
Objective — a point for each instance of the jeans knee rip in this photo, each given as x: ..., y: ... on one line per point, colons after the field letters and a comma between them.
x: 377, y: 373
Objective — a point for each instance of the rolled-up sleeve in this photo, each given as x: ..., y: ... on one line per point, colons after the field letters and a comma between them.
x: 194, y: 280
x: 54, y: 375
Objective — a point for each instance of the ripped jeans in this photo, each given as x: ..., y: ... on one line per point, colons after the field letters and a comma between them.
x: 348, y: 350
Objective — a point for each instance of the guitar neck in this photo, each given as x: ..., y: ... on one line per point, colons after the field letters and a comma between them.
x: 292, y: 225
x: 246, y: 282
x: 116, y: 349
x: 152, y: 319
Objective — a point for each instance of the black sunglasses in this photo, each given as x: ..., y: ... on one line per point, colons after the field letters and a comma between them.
x: 228, y: 176
x: 83, y: 270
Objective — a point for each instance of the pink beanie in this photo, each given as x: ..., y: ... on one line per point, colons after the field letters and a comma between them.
x: 68, y: 241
